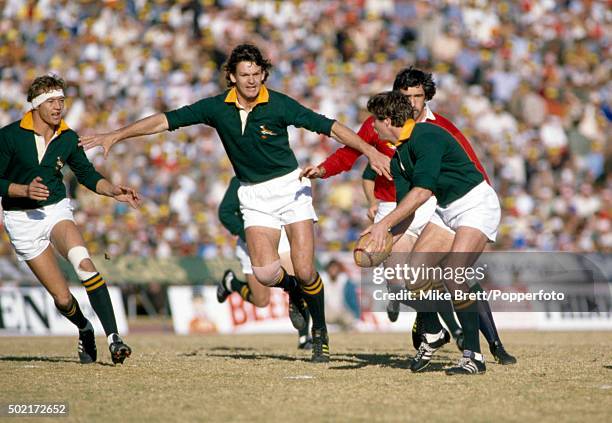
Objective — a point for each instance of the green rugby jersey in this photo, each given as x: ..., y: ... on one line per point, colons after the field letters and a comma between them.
x: 429, y: 157
x: 229, y: 210
x: 19, y: 163
x: 262, y: 152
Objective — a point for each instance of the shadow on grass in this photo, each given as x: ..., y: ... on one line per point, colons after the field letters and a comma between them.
x: 232, y: 349
x: 229, y: 350
x: 341, y: 361
x: 256, y: 356
x: 44, y: 358
x: 361, y: 360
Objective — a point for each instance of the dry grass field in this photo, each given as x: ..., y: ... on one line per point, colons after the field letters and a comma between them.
x: 561, y: 377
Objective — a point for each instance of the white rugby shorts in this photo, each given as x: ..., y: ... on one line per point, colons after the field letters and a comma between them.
x: 479, y: 209
x: 30, y: 230
x: 422, y: 216
x: 278, y: 202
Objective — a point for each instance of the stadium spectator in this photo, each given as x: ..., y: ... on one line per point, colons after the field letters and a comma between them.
x: 341, y: 303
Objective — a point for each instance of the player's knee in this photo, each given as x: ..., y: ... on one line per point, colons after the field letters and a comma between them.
x: 81, y: 262
x: 63, y: 300
x: 269, y: 274
x: 305, y: 274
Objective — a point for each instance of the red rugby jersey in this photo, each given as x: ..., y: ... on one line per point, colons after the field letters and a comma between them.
x: 344, y: 158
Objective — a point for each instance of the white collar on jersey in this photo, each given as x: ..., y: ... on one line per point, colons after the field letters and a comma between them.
x: 428, y: 114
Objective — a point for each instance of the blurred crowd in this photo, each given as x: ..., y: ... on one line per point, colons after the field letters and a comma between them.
x: 527, y: 81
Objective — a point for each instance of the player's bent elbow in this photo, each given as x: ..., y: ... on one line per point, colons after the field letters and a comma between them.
x: 423, y: 194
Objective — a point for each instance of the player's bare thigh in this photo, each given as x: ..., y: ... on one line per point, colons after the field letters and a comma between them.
x: 47, y: 271
x: 65, y: 235
x: 301, y: 241
x: 285, y: 258
x: 404, y: 244
x: 467, y: 246
x: 469, y: 240
x: 399, y: 255
x: 262, y: 244
x: 433, y: 238
x: 430, y: 249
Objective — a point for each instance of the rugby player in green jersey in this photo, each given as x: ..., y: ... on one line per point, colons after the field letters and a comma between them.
x: 251, y: 290
x: 38, y: 216
x: 252, y: 122
x: 428, y: 161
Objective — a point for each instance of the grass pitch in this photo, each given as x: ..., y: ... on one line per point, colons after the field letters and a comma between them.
x: 560, y: 377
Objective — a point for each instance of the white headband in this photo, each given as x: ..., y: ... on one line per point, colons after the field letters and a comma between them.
x: 41, y: 98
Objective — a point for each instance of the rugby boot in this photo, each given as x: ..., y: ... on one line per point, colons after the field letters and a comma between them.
x: 87, y: 345
x: 118, y: 349
x: 468, y: 365
x: 500, y: 354
x: 320, y: 346
x: 222, y: 291
x: 429, y: 345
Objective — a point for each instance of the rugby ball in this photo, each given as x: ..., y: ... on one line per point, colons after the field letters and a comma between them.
x: 366, y: 258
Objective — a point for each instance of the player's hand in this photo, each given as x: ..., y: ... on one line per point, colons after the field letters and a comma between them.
x: 37, y: 190
x: 372, y: 210
x: 312, y: 172
x: 106, y: 141
x: 380, y: 163
x: 126, y: 195
x: 378, y: 232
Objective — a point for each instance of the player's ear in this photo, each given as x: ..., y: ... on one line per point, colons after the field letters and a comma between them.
x: 232, y: 78
x: 387, y: 122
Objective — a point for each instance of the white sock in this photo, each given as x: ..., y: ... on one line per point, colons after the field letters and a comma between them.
x: 111, y: 338
x: 227, y: 282
x: 433, y: 337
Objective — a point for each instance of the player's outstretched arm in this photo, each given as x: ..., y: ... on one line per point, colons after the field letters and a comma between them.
x: 153, y: 124
x: 368, y: 190
x: 378, y: 161
x: 120, y: 193
x: 313, y: 172
x: 343, y: 159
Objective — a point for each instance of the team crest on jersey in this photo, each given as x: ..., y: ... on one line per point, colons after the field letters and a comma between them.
x: 265, y: 132
x: 59, y: 164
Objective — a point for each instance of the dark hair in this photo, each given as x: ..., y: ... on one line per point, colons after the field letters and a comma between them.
x: 44, y: 84
x: 245, y: 53
x: 412, y: 77
x: 393, y: 105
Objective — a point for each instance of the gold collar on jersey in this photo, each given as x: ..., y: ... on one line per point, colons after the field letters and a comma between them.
x: 262, y: 97
x: 27, y: 122
x: 405, y: 132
